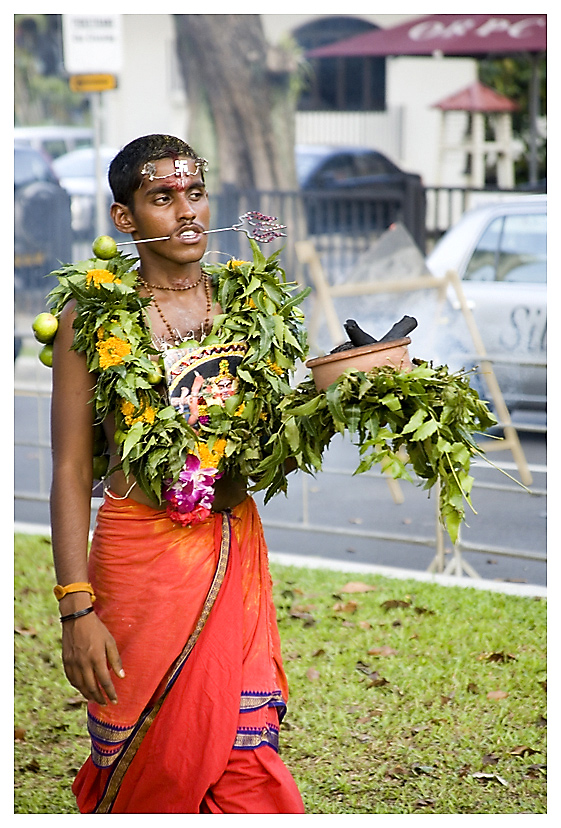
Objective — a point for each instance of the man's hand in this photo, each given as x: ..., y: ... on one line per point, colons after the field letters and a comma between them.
x: 88, y: 651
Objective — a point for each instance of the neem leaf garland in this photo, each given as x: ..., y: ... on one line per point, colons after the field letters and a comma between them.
x: 424, y: 419
x: 112, y: 330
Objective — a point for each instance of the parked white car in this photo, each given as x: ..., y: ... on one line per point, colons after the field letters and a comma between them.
x: 76, y: 171
x: 499, y: 250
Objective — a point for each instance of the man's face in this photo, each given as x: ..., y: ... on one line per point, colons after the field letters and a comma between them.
x: 174, y: 205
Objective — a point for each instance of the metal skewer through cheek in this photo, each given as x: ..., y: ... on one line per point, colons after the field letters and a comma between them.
x: 254, y: 224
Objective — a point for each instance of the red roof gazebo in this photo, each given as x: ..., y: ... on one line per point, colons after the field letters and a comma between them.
x: 482, y: 102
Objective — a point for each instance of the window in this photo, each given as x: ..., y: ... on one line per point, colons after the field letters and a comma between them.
x: 341, y: 84
x: 512, y: 249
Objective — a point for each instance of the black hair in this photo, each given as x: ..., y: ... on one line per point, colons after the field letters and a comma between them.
x: 124, y: 171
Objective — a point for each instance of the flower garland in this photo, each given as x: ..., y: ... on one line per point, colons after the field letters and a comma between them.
x: 428, y: 413
x: 171, y: 460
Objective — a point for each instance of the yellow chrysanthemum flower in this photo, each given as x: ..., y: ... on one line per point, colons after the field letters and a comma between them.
x: 98, y: 277
x: 239, y: 410
x: 210, y: 458
x: 236, y: 263
x: 274, y: 367
x: 146, y: 414
x: 112, y: 351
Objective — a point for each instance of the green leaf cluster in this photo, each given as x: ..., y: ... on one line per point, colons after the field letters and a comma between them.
x: 421, y: 422
x: 259, y: 307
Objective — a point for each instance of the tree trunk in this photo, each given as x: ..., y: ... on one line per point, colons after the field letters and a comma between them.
x: 239, y: 82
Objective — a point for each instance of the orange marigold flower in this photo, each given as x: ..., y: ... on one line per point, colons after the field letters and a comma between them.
x: 98, y: 277
x: 112, y: 351
x: 236, y: 263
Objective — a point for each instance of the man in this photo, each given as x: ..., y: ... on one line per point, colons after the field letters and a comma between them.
x: 179, y: 656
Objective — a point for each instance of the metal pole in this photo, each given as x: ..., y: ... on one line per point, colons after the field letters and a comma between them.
x: 100, y: 222
x: 534, y: 112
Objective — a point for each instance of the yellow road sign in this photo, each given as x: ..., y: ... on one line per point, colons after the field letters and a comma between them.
x: 92, y: 83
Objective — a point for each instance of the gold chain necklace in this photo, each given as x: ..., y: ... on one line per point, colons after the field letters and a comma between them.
x: 176, y: 338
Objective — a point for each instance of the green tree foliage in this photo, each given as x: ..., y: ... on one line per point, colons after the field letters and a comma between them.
x: 42, y: 94
x: 512, y: 76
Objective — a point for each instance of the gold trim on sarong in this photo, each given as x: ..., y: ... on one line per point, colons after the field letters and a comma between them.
x: 122, y: 763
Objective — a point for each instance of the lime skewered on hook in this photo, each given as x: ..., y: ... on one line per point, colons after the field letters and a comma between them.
x: 253, y: 223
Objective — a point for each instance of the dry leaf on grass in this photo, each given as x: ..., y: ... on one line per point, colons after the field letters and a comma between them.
x: 523, y: 750
x: 497, y: 694
x: 490, y: 759
x: 382, y: 651
x: 348, y: 606
x: 490, y: 777
x: 30, y: 631
x: 308, y: 619
x: 500, y: 658
x: 358, y: 586
x: 312, y: 674
x: 394, y: 603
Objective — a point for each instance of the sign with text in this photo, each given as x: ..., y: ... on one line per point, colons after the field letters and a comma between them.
x: 92, y: 83
x: 92, y: 43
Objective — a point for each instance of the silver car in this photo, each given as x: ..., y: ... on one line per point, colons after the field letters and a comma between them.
x: 499, y: 250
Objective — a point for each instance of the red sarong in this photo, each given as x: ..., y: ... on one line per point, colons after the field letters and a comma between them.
x: 192, y: 613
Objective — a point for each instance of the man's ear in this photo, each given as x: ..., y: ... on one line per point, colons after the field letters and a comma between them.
x: 122, y: 218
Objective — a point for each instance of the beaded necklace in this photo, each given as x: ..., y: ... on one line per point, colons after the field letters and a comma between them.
x: 175, y: 335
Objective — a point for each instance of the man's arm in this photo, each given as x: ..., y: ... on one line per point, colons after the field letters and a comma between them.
x: 87, y: 645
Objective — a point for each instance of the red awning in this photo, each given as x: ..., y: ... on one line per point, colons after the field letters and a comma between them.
x: 449, y: 34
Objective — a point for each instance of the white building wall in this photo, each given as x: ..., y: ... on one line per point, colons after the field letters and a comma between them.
x: 416, y: 84
x: 150, y: 96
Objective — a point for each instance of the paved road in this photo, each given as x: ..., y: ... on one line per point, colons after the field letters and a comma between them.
x: 343, y: 518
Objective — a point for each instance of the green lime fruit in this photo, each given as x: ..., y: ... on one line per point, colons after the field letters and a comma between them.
x: 45, y: 326
x: 46, y: 355
x: 104, y: 247
x: 155, y: 375
x: 100, y: 466
x: 211, y: 339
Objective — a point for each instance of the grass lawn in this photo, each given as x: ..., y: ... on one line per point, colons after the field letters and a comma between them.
x: 406, y: 697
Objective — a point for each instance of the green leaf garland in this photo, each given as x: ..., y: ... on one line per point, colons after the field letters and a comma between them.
x: 112, y: 330
x: 422, y: 421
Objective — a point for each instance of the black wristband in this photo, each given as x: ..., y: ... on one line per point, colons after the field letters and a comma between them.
x: 76, y: 614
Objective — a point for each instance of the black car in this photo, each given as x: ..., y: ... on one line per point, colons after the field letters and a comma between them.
x: 42, y: 226
x: 357, y: 189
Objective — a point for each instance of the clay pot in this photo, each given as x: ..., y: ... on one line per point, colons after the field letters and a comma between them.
x: 327, y: 369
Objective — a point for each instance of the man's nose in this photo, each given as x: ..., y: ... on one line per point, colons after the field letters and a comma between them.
x: 185, y: 207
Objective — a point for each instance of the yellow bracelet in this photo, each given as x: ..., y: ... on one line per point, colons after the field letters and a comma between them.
x: 61, y: 591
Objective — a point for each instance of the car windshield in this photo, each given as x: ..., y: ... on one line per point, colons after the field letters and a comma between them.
x: 29, y: 166
x: 512, y: 249
x: 306, y: 162
x: 80, y: 164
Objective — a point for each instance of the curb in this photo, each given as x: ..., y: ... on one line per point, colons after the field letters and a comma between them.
x: 302, y: 561
x: 506, y: 587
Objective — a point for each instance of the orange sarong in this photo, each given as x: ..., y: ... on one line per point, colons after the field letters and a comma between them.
x: 192, y: 613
